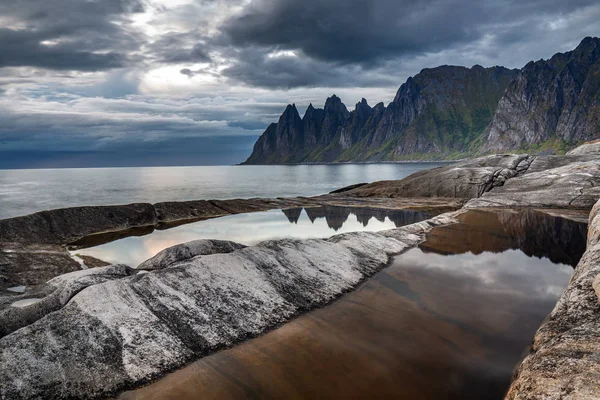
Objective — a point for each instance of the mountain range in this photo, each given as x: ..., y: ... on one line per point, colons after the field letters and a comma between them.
x: 451, y: 112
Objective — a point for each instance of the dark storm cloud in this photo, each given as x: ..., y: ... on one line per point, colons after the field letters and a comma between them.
x: 178, y: 48
x: 244, y: 59
x: 367, y: 32
x: 254, y: 67
x: 67, y: 34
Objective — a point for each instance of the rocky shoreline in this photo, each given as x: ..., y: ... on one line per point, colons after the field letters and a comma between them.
x: 127, y: 326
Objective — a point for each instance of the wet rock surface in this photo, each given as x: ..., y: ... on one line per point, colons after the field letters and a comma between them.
x: 187, y: 251
x: 125, y: 327
x: 127, y: 331
x: 564, y: 360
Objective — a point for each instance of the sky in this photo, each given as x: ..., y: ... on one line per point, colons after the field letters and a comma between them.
x: 168, y: 82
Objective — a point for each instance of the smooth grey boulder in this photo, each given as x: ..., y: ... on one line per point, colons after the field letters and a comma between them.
x: 53, y: 295
x: 467, y: 179
x: 589, y: 148
x: 67, y: 225
x: 123, y: 332
x: 575, y: 185
x: 543, y: 163
x: 564, y: 362
x: 188, y: 250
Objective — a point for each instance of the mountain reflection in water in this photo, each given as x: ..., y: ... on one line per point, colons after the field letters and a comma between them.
x: 535, y: 233
x: 337, y: 216
x: 248, y: 229
x: 448, y: 320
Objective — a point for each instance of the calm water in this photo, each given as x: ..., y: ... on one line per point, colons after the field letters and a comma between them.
x: 26, y: 191
x: 252, y: 228
x: 448, y: 320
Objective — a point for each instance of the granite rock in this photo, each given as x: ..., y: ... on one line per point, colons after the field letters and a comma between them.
x: 467, y: 179
x: 188, y: 250
x: 564, y: 362
x: 126, y: 331
x: 589, y: 148
x: 575, y: 185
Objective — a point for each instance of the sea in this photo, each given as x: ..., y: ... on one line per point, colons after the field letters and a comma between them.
x: 27, y: 191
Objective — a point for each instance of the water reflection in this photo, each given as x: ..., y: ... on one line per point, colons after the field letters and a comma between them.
x: 337, y: 216
x: 448, y: 320
x: 535, y: 233
x: 248, y: 229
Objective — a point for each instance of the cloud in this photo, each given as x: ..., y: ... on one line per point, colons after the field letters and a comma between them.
x: 255, y: 67
x: 67, y: 34
x: 368, y: 32
x: 107, y: 75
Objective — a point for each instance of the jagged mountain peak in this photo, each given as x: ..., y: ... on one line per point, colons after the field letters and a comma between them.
x: 362, y: 105
x: 551, y: 101
x: 451, y: 111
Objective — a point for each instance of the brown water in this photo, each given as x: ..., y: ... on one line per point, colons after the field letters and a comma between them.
x: 448, y: 320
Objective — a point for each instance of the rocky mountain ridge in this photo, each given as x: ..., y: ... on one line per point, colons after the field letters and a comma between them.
x: 451, y: 112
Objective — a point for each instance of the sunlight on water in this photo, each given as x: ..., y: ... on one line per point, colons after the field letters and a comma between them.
x: 26, y: 191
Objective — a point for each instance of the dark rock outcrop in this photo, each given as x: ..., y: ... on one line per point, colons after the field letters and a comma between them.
x: 449, y: 112
x: 440, y: 110
x: 67, y: 225
x: 564, y: 359
x: 19, y: 311
x: 174, y: 211
x: 550, y: 100
x: 33, y: 264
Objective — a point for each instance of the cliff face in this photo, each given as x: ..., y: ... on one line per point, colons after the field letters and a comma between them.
x: 451, y: 112
x: 440, y: 110
x: 554, y: 100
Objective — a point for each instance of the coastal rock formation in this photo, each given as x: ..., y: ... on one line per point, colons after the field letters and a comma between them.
x: 126, y: 326
x: 70, y: 224
x: 590, y: 148
x: 33, y: 264
x: 563, y: 363
x: 188, y: 250
x: 19, y: 311
x: 576, y: 185
x: 126, y: 331
x: 439, y: 111
x: 468, y: 179
x: 550, y: 100
x: 449, y: 112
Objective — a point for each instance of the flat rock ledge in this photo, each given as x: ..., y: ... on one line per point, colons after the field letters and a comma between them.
x: 93, y: 333
x: 108, y: 329
x: 564, y: 362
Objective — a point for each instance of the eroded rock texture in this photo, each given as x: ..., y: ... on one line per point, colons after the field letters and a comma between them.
x: 70, y: 224
x: 124, y: 329
x: 467, y: 179
x: 565, y: 357
x: 575, y: 185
